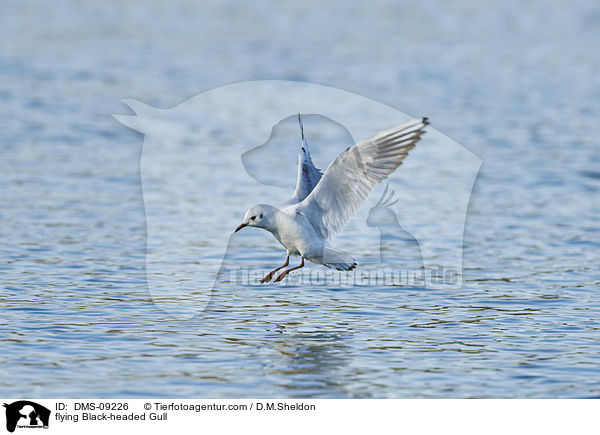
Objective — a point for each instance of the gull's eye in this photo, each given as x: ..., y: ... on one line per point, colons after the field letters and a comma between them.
x: 252, y: 218
x: 261, y: 215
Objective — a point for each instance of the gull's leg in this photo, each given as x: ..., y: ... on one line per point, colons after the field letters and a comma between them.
x: 270, y: 274
x: 285, y: 272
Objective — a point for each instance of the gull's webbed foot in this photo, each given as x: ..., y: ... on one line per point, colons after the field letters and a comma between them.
x: 281, y: 276
x: 269, y: 276
x: 271, y: 273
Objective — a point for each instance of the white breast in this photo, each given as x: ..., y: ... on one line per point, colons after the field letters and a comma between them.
x: 297, y: 235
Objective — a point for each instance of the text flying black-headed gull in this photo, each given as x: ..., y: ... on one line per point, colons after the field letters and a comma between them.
x: 324, y: 202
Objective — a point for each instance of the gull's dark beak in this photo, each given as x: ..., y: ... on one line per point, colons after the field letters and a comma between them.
x: 240, y: 226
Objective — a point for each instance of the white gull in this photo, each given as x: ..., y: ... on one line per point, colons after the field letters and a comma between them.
x: 323, y: 203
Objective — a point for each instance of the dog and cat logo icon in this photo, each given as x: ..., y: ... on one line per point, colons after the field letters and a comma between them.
x: 26, y: 414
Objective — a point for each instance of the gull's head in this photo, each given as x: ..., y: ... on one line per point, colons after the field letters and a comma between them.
x: 259, y: 216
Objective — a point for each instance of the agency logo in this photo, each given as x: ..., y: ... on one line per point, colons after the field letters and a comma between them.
x: 24, y: 414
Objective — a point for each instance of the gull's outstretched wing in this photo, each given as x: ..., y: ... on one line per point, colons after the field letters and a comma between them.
x: 353, y: 174
x: 308, y: 174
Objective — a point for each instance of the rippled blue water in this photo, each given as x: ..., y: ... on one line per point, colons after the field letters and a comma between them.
x: 516, y: 83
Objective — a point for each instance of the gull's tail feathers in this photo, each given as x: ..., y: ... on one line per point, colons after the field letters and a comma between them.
x: 337, y: 260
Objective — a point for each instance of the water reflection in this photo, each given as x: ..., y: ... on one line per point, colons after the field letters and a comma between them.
x: 313, y: 364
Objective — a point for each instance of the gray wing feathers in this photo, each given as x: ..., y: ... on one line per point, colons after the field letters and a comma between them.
x: 350, y: 178
x: 308, y: 174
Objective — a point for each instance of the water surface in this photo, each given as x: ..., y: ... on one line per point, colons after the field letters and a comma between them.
x: 519, y: 89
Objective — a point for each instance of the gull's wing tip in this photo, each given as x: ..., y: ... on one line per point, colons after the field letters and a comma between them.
x: 425, y: 120
x: 301, y: 128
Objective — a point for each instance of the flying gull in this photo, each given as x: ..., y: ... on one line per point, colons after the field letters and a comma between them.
x: 323, y: 203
